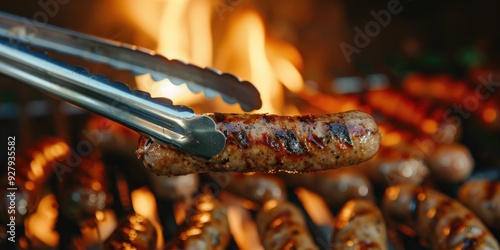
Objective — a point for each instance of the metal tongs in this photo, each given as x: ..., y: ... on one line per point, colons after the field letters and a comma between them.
x: 158, y: 118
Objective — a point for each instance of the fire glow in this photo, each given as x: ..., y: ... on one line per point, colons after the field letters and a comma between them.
x: 190, y: 31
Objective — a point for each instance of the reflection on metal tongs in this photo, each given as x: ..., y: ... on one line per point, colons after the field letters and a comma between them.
x: 158, y: 118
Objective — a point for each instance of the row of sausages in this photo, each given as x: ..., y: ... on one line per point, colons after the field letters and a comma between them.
x: 481, y: 197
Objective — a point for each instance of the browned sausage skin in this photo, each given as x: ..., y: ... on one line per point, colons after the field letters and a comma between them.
x: 281, y: 225
x: 336, y: 186
x: 257, y: 188
x: 450, y: 163
x: 206, y: 227
x: 483, y: 197
x: 438, y: 220
x: 271, y: 143
x: 359, y: 226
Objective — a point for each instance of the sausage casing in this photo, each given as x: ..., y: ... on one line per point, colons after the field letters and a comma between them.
x: 394, y: 165
x: 34, y: 166
x: 271, y: 143
x: 439, y: 220
x: 257, y: 188
x: 206, y: 227
x: 135, y: 232
x: 483, y: 197
x: 281, y: 225
x: 450, y: 163
x: 359, y: 225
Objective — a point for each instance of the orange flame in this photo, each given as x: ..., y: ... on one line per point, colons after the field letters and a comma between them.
x: 315, y: 206
x: 144, y: 203
x: 41, y: 224
x: 106, y: 222
x: 186, y: 32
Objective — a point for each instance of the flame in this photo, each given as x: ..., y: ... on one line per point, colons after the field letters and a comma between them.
x: 187, y: 31
x: 286, y: 60
x: 429, y: 126
x: 144, y: 203
x: 315, y: 206
x: 489, y: 115
x: 47, y: 154
x: 105, y: 223
x: 241, y: 225
x: 184, y: 34
x: 243, y: 52
x: 41, y: 224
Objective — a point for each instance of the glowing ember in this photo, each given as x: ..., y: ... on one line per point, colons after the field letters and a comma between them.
x: 41, y: 224
x: 489, y: 115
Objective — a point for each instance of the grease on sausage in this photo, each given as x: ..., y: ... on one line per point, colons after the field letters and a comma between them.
x: 206, y: 226
x: 483, y: 197
x: 271, y: 143
x: 439, y: 220
x: 359, y: 226
x: 281, y: 225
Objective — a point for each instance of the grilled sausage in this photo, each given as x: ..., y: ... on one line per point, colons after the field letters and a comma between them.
x: 336, y: 186
x: 394, y: 165
x: 359, y: 225
x: 135, y: 232
x: 281, y: 225
x: 450, y: 162
x: 483, y: 198
x: 34, y: 166
x: 439, y: 220
x: 270, y: 143
x: 206, y: 227
x: 257, y: 188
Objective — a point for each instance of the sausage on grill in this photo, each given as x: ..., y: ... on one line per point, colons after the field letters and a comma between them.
x: 483, y: 197
x: 271, y: 143
x: 135, y: 232
x: 359, y: 225
x: 281, y: 225
x: 451, y: 163
x: 395, y: 165
x: 439, y: 220
x: 257, y: 188
x: 336, y: 186
x: 33, y: 166
x: 85, y: 190
x: 206, y: 227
